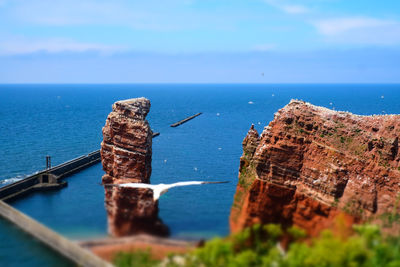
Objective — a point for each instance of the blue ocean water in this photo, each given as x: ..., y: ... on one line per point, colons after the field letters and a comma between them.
x: 65, y: 121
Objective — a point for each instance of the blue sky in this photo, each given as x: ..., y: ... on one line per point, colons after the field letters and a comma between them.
x: 97, y: 41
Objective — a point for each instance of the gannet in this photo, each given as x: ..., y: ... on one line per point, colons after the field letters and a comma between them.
x: 160, y: 189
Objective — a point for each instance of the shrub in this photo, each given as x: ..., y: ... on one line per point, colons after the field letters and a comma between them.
x: 259, y: 246
x: 139, y: 258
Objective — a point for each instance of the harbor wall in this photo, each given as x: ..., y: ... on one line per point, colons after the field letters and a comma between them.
x: 65, y: 247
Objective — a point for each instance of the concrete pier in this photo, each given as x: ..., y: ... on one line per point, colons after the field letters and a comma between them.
x: 65, y: 247
x: 48, y: 179
x: 185, y: 120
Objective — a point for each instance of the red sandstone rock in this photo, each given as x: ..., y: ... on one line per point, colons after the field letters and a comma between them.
x: 311, y: 164
x: 126, y: 158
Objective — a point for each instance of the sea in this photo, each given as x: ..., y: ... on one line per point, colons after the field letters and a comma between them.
x: 65, y: 121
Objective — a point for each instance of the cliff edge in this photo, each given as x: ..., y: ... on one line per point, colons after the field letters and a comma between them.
x: 311, y: 164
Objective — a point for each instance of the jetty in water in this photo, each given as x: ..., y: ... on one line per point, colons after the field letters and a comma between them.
x: 185, y: 120
x: 50, y: 178
x: 67, y: 248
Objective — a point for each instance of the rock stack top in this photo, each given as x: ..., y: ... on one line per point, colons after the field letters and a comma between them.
x: 135, y: 108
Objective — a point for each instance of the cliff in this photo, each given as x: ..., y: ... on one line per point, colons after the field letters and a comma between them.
x: 126, y: 157
x: 311, y: 164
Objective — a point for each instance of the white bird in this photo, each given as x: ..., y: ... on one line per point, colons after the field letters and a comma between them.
x: 160, y: 189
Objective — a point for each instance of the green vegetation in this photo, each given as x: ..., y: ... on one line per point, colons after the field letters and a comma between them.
x: 247, y: 175
x: 259, y: 246
x: 335, y: 203
x: 339, y: 125
x: 141, y: 258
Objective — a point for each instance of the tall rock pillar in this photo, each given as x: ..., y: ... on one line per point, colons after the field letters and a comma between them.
x: 126, y: 157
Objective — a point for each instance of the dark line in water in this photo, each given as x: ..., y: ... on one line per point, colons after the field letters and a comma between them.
x: 185, y: 120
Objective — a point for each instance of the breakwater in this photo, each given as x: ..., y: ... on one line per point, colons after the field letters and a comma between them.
x: 48, y: 179
x: 185, y: 120
x: 65, y: 247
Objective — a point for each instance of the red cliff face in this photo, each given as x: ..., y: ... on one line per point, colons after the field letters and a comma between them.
x: 311, y: 164
x: 126, y: 158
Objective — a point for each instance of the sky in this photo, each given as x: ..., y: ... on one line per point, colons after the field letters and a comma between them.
x: 200, y: 41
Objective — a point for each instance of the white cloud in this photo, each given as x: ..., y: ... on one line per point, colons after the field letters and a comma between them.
x: 340, y: 25
x: 71, y: 12
x: 17, y: 46
x: 359, y: 30
x: 294, y: 9
x: 287, y: 7
x: 148, y: 15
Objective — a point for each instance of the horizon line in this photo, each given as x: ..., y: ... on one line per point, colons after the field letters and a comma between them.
x: 202, y: 83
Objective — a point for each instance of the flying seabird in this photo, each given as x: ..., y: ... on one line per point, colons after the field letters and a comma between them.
x: 160, y: 189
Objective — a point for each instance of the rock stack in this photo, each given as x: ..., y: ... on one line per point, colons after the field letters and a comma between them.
x: 126, y: 153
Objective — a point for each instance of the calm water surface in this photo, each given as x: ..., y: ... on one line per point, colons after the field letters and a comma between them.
x: 65, y: 121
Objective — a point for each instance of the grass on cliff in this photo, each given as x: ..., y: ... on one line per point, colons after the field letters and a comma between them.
x: 259, y: 246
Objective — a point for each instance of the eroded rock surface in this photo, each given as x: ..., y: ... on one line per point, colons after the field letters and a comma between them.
x: 311, y: 164
x: 126, y: 157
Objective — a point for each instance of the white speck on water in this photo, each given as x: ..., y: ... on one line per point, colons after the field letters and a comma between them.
x: 273, y: 95
x: 218, y: 114
x: 258, y: 123
x: 250, y: 102
x: 220, y: 148
x: 331, y: 103
x: 195, y: 169
x: 382, y: 96
x: 165, y: 161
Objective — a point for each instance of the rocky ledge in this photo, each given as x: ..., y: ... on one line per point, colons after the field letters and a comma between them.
x: 311, y: 164
x: 126, y: 157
